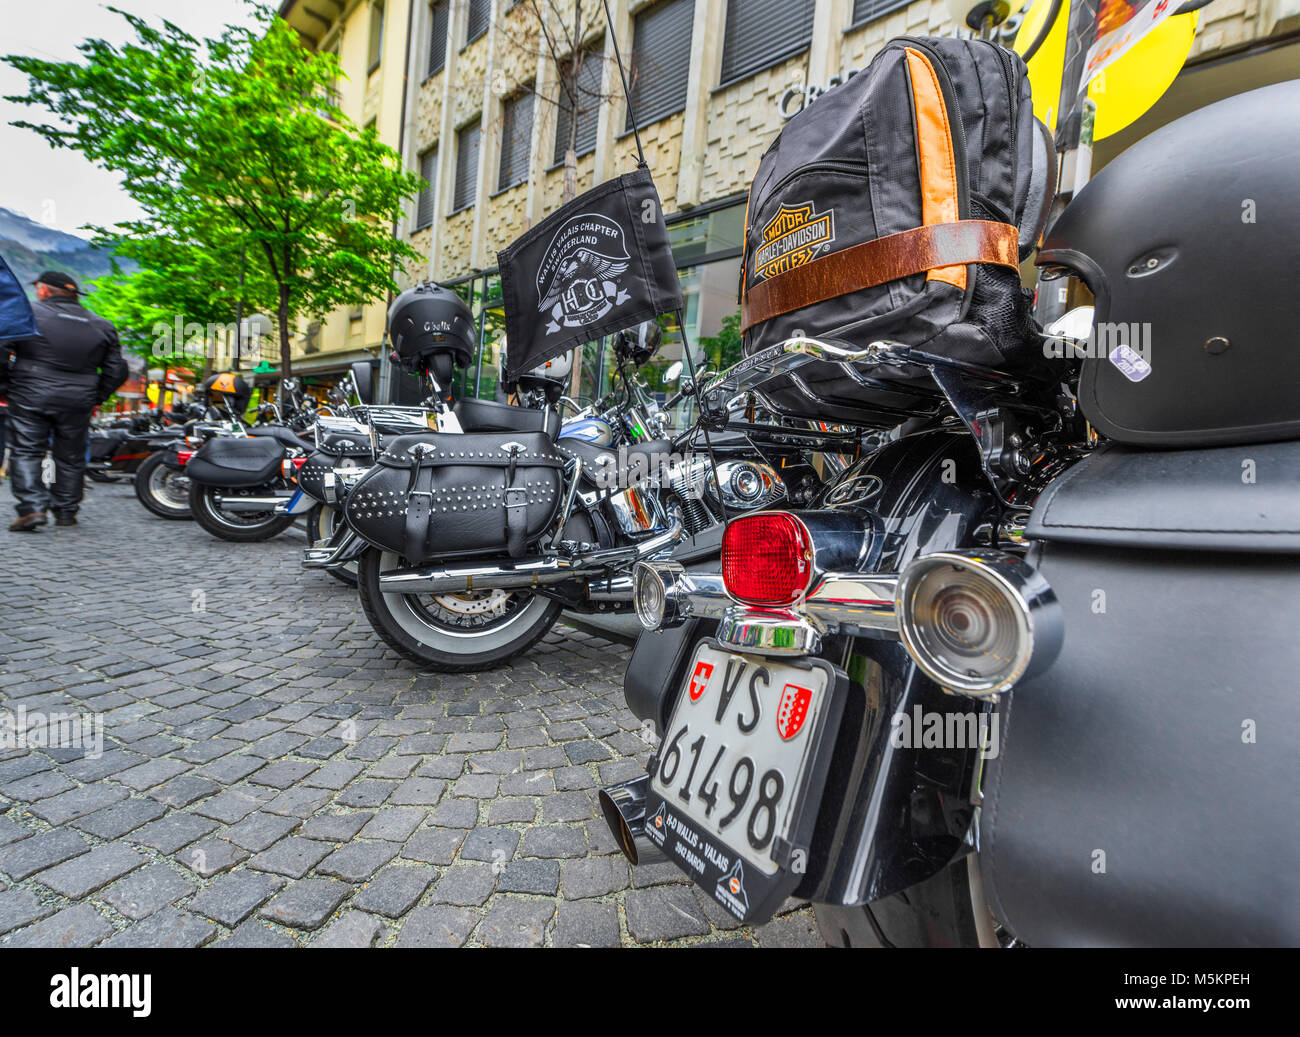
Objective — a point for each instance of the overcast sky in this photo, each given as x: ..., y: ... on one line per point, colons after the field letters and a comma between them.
x: 59, y: 187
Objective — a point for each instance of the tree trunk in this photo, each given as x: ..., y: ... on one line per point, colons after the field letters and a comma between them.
x: 282, y: 314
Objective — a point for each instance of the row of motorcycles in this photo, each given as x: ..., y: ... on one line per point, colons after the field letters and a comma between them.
x: 844, y: 607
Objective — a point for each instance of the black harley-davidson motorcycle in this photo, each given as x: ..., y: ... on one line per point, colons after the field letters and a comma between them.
x: 243, y: 487
x: 1005, y: 679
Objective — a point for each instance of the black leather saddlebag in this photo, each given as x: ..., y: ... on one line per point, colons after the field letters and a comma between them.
x: 236, y: 462
x: 1144, y: 791
x: 443, y: 495
x: 336, y: 450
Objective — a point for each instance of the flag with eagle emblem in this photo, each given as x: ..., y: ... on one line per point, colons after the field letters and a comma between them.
x: 600, y: 264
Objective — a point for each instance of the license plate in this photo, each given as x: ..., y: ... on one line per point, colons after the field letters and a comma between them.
x: 740, y: 770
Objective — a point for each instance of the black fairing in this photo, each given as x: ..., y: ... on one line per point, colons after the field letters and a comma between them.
x: 1144, y: 790
x: 1207, y: 260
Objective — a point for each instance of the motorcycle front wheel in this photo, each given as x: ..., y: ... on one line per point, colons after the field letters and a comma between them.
x: 452, y: 633
x: 322, y: 521
x: 236, y: 526
x: 164, y: 492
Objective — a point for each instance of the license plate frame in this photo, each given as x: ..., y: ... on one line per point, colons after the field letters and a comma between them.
x: 709, y: 860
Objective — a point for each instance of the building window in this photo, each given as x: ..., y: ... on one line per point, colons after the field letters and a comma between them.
x: 516, y: 139
x: 439, y: 18
x: 376, y: 51
x: 587, y: 89
x: 480, y: 13
x: 424, y: 206
x: 760, y: 33
x: 661, y: 61
x: 869, y: 10
x: 467, y: 147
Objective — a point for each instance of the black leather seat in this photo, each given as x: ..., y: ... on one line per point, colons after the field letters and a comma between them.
x: 237, y: 462
x: 489, y: 416
x: 284, y: 435
x: 596, y: 460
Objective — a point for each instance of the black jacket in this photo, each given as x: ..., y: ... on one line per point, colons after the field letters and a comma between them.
x: 75, y: 363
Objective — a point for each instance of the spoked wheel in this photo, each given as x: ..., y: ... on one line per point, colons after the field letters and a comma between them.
x: 453, y: 633
x: 322, y: 523
x: 237, y: 526
x: 945, y: 910
x: 160, y: 489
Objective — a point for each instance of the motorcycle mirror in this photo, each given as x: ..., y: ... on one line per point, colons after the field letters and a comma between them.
x: 363, y: 378
x: 673, y: 372
x: 1075, y: 326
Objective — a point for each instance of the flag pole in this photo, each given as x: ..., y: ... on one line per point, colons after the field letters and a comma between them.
x: 627, y: 92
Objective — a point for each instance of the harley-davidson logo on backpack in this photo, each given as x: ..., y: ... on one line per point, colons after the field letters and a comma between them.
x: 794, y: 236
x: 577, y: 282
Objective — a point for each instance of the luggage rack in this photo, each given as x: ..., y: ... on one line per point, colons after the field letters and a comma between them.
x: 984, y: 398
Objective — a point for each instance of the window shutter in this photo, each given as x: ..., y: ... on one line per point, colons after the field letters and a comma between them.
x: 516, y: 140
x: 761, y: 32
x: 869, y: 10
x: 466, y: 166
x: 376, y: 34
x: 425, y: 205
x: 661, y: 61
x: 589, y: 76
x: 480, y: 13
x: 440, y: 14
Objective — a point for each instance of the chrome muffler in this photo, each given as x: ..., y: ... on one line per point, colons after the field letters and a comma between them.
x: 245, y: 504
x: 624, y: 808
x: 526, y: 573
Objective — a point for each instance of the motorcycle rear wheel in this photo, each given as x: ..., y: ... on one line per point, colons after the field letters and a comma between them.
x: 945, y: 910
x: 409, y: 623
x: 322, y: 521
x: 161, y: 490
x: 235, y: 528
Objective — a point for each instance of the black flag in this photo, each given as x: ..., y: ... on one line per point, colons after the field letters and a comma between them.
x: 599, y: 265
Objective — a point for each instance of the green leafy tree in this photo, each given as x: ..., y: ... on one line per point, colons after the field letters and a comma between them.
x: 234, y: 145
x: 725, y: 348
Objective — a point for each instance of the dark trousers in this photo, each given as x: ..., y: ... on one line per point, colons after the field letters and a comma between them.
x: 30, y: 432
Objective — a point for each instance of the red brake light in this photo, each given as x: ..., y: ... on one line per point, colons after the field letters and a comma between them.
x: 183, y: 456
x: 298, y: 462
x: 767, y: 559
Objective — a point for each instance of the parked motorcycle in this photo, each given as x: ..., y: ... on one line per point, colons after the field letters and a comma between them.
x: 835, y: 686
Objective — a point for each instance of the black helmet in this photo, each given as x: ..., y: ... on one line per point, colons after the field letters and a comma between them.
x: 638, y: 344
x: 429, y: 320
x: 1183, y: 240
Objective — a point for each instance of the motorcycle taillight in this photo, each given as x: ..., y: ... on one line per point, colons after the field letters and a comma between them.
x: 183, y: 456
x: 767, y: 559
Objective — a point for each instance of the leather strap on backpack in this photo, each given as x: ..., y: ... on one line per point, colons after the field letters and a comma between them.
x: 873, y: 263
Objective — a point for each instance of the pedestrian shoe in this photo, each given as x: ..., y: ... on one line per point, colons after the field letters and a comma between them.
x: 65, y: 520
x: 29, y: 523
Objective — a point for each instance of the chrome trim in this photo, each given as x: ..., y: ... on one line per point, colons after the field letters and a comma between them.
x: 531, y: 572
x: 1039, y: 618
x: 243, y: 504
x: 765, y: 632
x: 861, y: 604
x: 331, y: 554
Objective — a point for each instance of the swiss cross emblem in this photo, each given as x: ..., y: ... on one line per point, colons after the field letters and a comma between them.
x: 792, y: 710
x: 700, y: 679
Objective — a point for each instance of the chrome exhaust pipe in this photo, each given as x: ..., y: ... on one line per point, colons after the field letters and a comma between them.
x: 242, y: 504
x: 624, y: 808
x: 617, y: 589
x: 526, y: 573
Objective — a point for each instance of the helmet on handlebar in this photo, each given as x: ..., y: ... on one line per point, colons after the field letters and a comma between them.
x: 638, y: 344
x: 550, y: 377
x: 428, y: 322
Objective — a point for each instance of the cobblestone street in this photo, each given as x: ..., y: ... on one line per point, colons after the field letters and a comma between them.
x: 273, y: 775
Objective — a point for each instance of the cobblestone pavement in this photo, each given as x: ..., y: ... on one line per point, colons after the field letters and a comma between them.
x: 273, y: 775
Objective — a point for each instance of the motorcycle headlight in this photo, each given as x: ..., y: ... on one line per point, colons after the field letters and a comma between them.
x: 977, y: 622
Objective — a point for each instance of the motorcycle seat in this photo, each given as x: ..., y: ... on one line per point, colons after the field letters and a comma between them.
x: 237, y: 462
x: 284, y: 435
x: 489, y: 416
x: 596, y: 459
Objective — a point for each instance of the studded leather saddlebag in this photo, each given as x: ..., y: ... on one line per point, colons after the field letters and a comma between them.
x: 336, y: 451
x: 438, y: 495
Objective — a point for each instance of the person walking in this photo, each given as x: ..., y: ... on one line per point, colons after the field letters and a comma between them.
x: 56, y: 380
